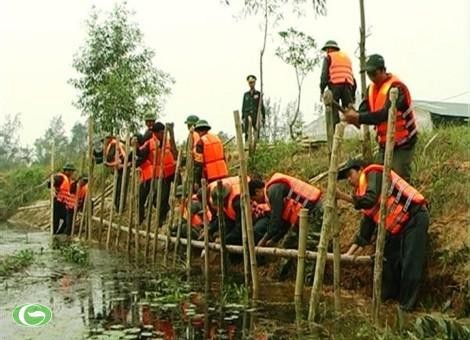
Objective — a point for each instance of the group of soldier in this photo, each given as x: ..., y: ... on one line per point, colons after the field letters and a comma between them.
x: 276, y: 201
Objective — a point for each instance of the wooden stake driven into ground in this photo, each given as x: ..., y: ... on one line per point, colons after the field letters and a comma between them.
x: 246, y: 256
x: 245, y: 200
x: 328, y: 217
x: 159, y: 191
x: 206, y: 234
x: 172, y: 202
x: 221, y: 223
x: 91, y: 164
x: 52, y: 191
x: 136, y: 205
x: 77, y: 193
x: 133, y: 196
x: 179, y: 222
x: 102, y: 200
x: 330, y: 128
x: 381, y: 233
x: 113, y: 197
x: 303, y: 231
x: 122, y: 194
x: 82, y: 217
x: 150, y: 202
x: 250, y: 139
x: 190, y: 180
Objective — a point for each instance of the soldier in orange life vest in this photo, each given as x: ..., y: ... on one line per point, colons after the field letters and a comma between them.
x: 115, y: 161
x: 337, y: 75
x: 287, y: 196
x: 76, y: 198
x: 61, y: 184
x: 232, y: 206
x: 407, y: 224
x: 374, y: 111
x: 190, y: 122
x: 209, y: 158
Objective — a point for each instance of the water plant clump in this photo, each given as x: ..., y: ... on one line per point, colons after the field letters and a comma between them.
x: 16, y: 262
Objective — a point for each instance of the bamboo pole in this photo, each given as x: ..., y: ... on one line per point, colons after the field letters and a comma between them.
x: 262, y: 251
x: 221, y: 223
x: 246, y: 202
x: 82, y: 217
x: 206, y: 234
x: 91, y: 165
x: 159, y: 192
x: 189, y: 178
x: 303, y: 231
x: 327, y: 222
x: 52, y: 191
x: 150, y: 202
x: 171, y: 218
x: 179, y: 223
x: 381, y: 233
x: 336, y: 260
x: 75, y: 208
x: 122, y: 194
x: 133, y: 196
x: 366, y: 147
x: 246, y: 256
x: 102, y: 200
x: 249, y: 130
x: 115, y: 181
x: 136, y: 208
x: 330, y: 129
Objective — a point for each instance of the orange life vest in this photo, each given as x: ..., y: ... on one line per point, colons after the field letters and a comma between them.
x: 340, y: 68
x: 213, y: 158
x: 405, y: 127
x: 169, y: 162
x: 146, y: 166
x: 63, y: 192
x: 77, y: 197
x: 234, y: 184
x: 120, y: 153
x: 196, y: 220
x: 401, y: 196
x: 300, y: 194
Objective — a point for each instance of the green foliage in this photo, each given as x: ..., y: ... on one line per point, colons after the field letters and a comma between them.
x: 43, y: 145
x: 11, y: 152
x: 439, y: 327
x: 269, y: 158
x: 235, y: 294
x: 167, y: 289
x: 75, y: 253
x: 118, y: 82
x: 21, y: 186
x: 16, y: 262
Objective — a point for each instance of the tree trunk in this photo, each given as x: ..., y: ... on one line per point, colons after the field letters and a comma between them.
x: 328, y: 218
x: 366, y: 147
x: 381, y: 233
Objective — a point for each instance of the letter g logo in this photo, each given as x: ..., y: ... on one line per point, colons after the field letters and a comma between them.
x: 32, y: 315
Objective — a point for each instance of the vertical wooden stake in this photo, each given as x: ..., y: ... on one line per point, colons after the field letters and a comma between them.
x: 303, y: 231
x: 159, y: 192
x: 221, y: 220
x: 83, y: 217
x: 246, y: 256
x: 246, y: 202
x: 136, y: 208
x: 206, y: 235
x: 91, y: 164
x: 75, y: 208
x: 133, y: 196
x: 330, y: 129
x: 336, y: 260
x: 366, y: 147
x: 179, y: 222
x: 171, y: 218
x: 381, y: 233
x: 52, y: 191
x: 250, y: 136
x: 122, y: 194
x: 189, y: 178
x: 103, y: 193
x: 150, y: 203
x: 111, y: 213
x: 328, y: 217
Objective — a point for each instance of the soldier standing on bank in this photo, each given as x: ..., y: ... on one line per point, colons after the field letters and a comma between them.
x: 251, y: 100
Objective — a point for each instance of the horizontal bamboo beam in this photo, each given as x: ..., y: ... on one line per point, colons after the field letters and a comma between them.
x: 267, y: 251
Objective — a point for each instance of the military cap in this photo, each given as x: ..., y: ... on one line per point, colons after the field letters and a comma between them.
x: 191, y: 119
x: 351, y: 164
x: 250, y: 78
x: 69, y: 166
x: 202, y: 124
x: 330, y: 44
x: 150, y: 116
x: 159, y: 126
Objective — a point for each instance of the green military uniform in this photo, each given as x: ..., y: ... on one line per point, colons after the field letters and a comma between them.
x: 404, y: 253
x: 251, y: 101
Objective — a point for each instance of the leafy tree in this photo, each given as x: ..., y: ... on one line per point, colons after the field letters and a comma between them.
x: 78, y: 139
x: 275, y: 129
x: 12, y: 153
x: 118, y: 82
x: 300, y: 51
x: 54, y: 133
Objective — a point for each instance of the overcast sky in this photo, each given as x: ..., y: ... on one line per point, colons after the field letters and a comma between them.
x: 209, y: 53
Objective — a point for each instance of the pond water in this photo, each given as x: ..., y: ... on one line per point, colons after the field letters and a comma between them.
x: 113, y: 298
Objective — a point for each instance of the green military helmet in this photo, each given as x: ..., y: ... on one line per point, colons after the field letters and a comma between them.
x: 374, y: 62
x: 69, y: 167
x: 191, y: 120
x: 202, y: 124
x: 84, y: 177
x: 331, y: 44
x: 150, y: 116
